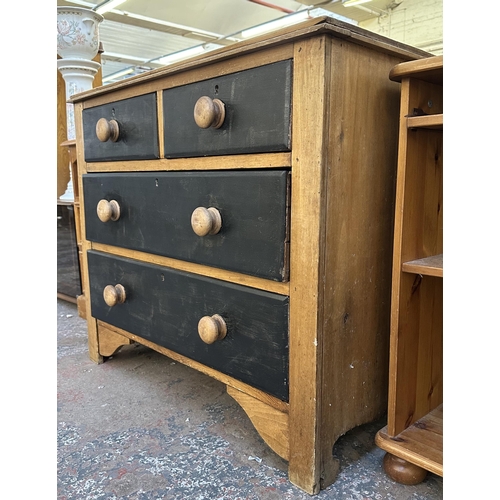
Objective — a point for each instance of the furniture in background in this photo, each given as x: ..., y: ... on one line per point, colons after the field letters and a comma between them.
x: 413, y: 437
x: 69, y: 251
x: 237, y: 216
x: 68, y: 267
x: 69, y: 241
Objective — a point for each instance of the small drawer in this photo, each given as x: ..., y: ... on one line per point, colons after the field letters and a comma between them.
x: 122, y: 130
x: 240, y: 217
x: 256, y: 113
x: 245, y: 331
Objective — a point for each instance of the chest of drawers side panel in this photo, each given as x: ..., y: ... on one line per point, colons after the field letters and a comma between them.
x: 359, y: 227
x: 344, y: 147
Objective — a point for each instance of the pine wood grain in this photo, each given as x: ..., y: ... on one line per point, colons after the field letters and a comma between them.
x: 429, y: 69
x: 93, y: 341
x: 430, y: 121
x: 421, y: 443
x: 360, y: 176
x: 306, y: 261
x: 418, y: 234
x: 110, y: 342
x: 230, y: 276
x: 81, y: 305
x: 233, y: 162
x: 414, y: 422
x: 272, y: 424
x: 429, y: 266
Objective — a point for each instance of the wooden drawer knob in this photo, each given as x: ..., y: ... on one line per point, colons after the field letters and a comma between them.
x: 114, y: 295
x: 212, y: 328
x: 108, y: 210
x: 107, y: 130
x: 206, y: 221
x: 209, y: 113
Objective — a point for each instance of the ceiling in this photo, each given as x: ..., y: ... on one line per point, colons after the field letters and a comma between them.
x: 137, y: 33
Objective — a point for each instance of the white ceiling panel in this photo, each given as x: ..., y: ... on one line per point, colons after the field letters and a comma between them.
x: 138, y: 32
x: 123, y: 39
x: 217, y: 16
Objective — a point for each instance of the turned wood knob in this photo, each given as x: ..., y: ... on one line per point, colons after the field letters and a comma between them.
x: 212, y: 328
x: 114, y: 295
x: 108, y: 210
x: 206, y: 221
x: 107, y: 130
x: 209, y: 113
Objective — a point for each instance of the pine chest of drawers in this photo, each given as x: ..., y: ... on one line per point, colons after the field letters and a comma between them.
x: 237, y: 216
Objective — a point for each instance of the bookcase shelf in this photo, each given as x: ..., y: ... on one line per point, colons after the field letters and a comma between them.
x: 428, y: 266
x: 413, y: 437
x: 428, y: 121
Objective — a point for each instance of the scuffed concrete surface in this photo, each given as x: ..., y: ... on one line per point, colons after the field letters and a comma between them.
x: 141, y: 426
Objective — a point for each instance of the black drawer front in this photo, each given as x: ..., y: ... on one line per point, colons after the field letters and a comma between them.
x: 138, y: 130
x: 257, y: 105
x: 164, y: 306
x: 156, y: 209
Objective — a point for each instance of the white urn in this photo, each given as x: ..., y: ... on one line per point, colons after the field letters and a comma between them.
x: 78, y: 74
x: 77, y: 45
x: 77, y: 32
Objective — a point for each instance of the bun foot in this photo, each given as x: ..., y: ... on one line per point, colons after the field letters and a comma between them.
x: 402, y: 471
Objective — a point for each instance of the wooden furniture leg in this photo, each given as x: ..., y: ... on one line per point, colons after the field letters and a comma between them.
x: 402, y: 471
x: 110, y: 342
x: 270, y: 423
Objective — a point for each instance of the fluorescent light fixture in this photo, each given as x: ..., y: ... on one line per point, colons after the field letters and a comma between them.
x: 352, y: 3
x: 118, y: 74
x: 182, y: 54
x: 278, y: 23
x: 108, y: 5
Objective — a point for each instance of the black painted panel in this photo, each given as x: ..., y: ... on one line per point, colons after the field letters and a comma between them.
x: 164, y: 306
x: 257, y: 103
x: 156, y: 210
x: 68, y: 263
x: 138, y: 123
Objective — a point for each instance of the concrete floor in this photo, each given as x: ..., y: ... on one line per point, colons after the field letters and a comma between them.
x: 141, y: 426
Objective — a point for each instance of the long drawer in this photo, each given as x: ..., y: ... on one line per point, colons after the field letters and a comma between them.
x: 122, y: 130
x: 165, y: 306
x: 157, y: 211
x: 256, y: 107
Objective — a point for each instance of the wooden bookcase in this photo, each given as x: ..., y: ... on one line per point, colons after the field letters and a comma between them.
x: 413, y: 437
